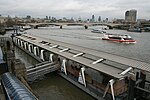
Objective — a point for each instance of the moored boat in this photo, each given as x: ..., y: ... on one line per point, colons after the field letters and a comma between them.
x: 119, y: 38
x: 134, y: 30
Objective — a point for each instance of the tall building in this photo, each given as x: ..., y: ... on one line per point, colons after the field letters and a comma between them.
x: 93, y: 18
x: 130, y: 15
x: 99, y: 19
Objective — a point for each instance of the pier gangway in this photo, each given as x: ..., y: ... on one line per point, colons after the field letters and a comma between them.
x: 39, y: 70
x: 15, y: 89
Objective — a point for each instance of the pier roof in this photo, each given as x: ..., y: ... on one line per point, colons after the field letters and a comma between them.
x: 104, y: 62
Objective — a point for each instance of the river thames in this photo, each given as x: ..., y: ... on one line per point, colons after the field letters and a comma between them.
x: 81, y: 37
x: 54, y: 87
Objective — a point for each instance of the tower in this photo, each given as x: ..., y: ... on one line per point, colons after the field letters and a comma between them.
x: 93, y: 18
x: 131, y: 15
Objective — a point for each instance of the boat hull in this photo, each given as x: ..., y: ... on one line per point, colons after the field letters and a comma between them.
x: 120, y: 41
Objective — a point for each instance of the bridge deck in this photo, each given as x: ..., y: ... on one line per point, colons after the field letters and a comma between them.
x: 81, y: 24
x: 97, y: 55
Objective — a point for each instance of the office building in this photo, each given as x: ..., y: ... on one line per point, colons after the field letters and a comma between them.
x: 130, y: 15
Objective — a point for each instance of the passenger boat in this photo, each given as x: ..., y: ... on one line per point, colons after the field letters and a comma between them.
x: 98, y: 31
x: 119, y: 38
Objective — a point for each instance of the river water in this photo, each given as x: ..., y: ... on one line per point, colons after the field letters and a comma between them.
x: 79, y: 36
x: 54, y: 87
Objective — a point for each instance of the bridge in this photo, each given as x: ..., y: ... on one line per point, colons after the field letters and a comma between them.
x: 85, y: 25
x: 86, y: 68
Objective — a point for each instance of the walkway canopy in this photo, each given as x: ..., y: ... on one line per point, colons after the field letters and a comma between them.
x: 15, y: 89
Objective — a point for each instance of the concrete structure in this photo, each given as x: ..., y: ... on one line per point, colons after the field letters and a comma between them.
x: 130, y: 16
x: 12, y: 65
x: 95, y: 72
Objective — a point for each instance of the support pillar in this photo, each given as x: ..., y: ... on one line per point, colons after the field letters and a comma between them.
x: 35, y: 51
x: 36, y: 27
x: 25, y: 44
x: 18, y: 42
x: 60, y: 26
x: 86, y: 27
x: 29, y: 47
x: 51, y: 57
x: 63, y: 66
x: 42, y: 55
x: 131, y: 90
x: 142, y: 77
x: 142, y: 83
x: 81, y: 78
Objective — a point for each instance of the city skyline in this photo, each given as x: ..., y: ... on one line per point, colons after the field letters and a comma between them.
x: 75, y: 8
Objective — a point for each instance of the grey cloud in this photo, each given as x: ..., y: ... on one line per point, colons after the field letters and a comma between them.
x: 74, y: 8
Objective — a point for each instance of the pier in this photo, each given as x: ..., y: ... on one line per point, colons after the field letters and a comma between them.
x: 89, y: 69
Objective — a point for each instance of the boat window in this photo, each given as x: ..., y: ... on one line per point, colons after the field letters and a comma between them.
x: 127, y: 38
x: 115, y: 38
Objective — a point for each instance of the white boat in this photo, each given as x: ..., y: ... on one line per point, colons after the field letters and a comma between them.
x: 98, y: 31
x: 26, y: 27
x: 119, y: 38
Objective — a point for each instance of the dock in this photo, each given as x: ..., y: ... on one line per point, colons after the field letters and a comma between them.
x: 94, y: 70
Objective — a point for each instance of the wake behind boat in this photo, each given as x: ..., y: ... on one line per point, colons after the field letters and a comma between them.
x: 118, y: 38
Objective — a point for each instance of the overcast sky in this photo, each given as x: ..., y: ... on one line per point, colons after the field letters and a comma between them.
x: 74, y: 8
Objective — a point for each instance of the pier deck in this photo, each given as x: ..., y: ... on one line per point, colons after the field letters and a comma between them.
x: 89, y: 57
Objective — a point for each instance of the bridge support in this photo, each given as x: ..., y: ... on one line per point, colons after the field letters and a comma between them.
x: 36, y: 27
x: 86, y: 27
x: 110, y: 27
x: 42, y: 55
x: 60, y: 26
